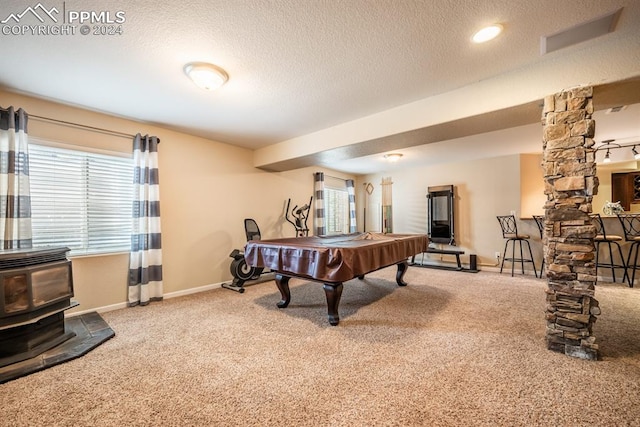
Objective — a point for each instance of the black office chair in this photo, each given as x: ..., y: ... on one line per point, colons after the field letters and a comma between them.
x: 510, y: 232
x: 539, y: 219
x: 631, y: 227
x: 609, y: 239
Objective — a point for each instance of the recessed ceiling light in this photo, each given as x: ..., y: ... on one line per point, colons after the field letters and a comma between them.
x: 487, y: 33
x: 207, y: 76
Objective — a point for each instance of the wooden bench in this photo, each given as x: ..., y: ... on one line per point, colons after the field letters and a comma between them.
x: 455, y: 252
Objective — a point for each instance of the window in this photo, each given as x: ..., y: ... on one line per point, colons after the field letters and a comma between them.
x: 81, y: 200
x: 336, y: 206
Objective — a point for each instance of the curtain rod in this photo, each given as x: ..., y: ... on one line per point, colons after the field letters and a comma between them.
x: 78, y: 125
x: 335, y: 177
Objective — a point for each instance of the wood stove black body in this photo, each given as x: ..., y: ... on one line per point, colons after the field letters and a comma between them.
x: 36, y: 288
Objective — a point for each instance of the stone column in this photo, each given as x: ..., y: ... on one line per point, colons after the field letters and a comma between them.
x: 570, y: 183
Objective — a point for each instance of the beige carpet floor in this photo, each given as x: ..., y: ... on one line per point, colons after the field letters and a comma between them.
x: 450, y: 349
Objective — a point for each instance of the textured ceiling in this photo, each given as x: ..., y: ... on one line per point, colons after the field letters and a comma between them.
x: 295, y: 66
x: 477, y: 136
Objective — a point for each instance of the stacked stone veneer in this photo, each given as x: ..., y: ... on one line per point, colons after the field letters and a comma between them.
x: 570, y: 183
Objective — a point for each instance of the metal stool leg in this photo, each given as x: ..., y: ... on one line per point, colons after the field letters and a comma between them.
x: 624, y: 265
x: 533, y: 263
x: 631, y: 277
x: 597, y: 257
x: 521, y: 257
x: 635, y: 263
x: 612, y: 264
x: 504, y: 255
x: 613, y: 270
x: 513, y: 255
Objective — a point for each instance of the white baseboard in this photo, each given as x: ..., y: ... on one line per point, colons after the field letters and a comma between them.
x: 103, y: 309
x: 121, y: 305
x: 192, y: 290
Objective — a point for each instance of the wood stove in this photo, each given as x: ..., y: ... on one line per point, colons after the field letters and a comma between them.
x: 36, y: 287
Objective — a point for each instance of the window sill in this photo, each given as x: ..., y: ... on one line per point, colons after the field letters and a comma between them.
x: 95, y: 254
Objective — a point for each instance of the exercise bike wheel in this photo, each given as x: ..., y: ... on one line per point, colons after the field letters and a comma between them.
x: 241, y: 270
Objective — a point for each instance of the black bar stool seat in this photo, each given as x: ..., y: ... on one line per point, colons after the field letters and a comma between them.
x: 602, y: 238
x: 510, y: 233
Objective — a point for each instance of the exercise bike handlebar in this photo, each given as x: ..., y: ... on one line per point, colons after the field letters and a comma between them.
x: 299, y: 213
x: 286, y: 213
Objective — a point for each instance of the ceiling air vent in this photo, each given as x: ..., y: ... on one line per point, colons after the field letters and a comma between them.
x: 580, y: 33
x: 616, y: 109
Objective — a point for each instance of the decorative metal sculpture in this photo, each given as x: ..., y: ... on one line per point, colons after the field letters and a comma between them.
x: 612, y: 208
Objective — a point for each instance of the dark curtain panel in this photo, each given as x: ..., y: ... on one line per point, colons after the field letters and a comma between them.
x: 319, y: 228
x: 15, y: 192
x: 387, y: 210
x: 145, y: 261
x: 351, y: 191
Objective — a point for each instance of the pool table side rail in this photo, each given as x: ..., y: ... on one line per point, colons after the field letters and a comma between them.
x: 335, y: 259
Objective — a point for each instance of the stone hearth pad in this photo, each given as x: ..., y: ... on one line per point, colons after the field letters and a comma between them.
x: 91, y: 330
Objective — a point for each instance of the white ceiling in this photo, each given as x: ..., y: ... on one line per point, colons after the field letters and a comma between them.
x: 295, y: 66
x: 623, y: 127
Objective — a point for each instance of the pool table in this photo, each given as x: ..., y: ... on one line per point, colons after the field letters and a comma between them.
x: 333, y: 260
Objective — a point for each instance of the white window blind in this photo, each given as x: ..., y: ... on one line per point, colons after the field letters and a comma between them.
x: 80, y: 199
x: 336, y: 206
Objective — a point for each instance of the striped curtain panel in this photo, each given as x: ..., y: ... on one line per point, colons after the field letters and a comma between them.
x: 318, y: 187
x: 351, y: 191
x: 387, y: 212
x: 15, y: 197
x: 145, y: 261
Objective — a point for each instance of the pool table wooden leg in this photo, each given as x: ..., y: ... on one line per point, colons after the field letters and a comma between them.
x: 333, y: 292
x: 402, y: 268
x: 282, y: 282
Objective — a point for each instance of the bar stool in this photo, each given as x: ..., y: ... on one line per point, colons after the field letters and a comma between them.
x: 631, y: 226
x: 539, y: 219
x: 510, y: 232
x: 603, y: 238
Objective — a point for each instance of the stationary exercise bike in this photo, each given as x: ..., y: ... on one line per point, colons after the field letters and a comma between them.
x: 240, y: 270
x: 300, y: 216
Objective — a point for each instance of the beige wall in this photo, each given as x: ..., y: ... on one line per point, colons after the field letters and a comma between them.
x: 531, y: 186
x: 485, y: 188
x: 207, y: 189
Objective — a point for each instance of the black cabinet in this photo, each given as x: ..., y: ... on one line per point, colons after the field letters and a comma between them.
x: 625, y: 188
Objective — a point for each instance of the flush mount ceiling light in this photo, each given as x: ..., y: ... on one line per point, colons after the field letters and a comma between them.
x: 393, y: 157
x: 487, y: 33
x: 207, y: 76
